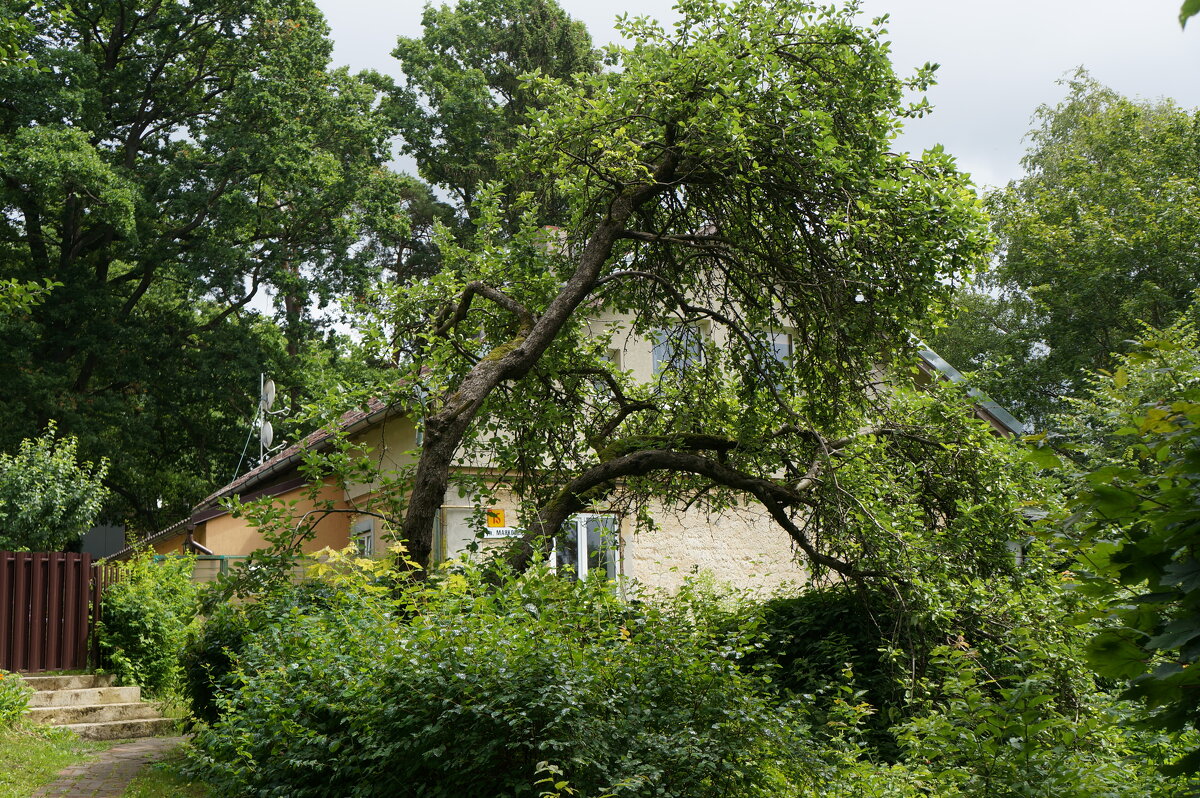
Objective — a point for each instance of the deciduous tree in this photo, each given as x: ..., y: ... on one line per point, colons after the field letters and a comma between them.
x: 1096, y: 238
x: 169, y: 164
x: 462, y: 101
x: 48, y: 498
x: 733, y: 174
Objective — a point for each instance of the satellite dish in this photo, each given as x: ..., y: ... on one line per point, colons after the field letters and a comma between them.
x: 266, y: 434
x: 268, y: 395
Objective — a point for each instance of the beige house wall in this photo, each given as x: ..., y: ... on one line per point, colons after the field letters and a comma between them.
x: 741, y: 547
x: 391, y: 444
x: 228, y: 535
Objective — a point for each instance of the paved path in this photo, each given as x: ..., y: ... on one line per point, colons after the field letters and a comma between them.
x: 109, y: 773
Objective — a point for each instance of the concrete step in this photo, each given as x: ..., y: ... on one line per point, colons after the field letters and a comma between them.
x: 76, y: 682
x: 85, y: 696
x: 123, y: 729
x: 94, y: 713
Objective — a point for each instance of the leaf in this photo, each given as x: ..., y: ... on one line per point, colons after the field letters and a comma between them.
x: 1176, y: 634
x: 1189, y: 9
x: 1114, y: 503
x: 1043, y: 457
x: 1114, y: 656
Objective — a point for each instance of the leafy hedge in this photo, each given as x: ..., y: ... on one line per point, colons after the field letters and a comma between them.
x: 145, y: 619
x: 360, y: 683
x: 454, y: 689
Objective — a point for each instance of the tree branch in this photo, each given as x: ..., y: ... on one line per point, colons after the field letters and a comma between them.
x: 448, y: 321
x: 601, y: 478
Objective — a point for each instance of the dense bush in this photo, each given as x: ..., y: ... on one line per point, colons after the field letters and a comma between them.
x: 207, y: 660
x: 145, y: 618
x: 48, y: 499
x: 14, y: 698
x: 812, y: 637
x: 361, y: 684
x: 213, y: 648
x: 457, y: 688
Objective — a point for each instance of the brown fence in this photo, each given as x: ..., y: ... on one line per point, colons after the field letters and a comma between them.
x: 46, y: 601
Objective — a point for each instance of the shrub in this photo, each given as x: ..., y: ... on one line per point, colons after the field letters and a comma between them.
x: 208, y: 657
x: 48, y: 499
x: 460, y: 688
x: 359, y: 684
x: 810, y: 639
x: 214, y: 646
x: 145, y: 618
x: 14, y: 698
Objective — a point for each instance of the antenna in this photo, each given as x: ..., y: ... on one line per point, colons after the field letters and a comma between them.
x: 266, y: 432
x: 266, y: 394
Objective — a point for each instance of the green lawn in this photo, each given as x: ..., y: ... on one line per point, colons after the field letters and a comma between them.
x: 31, y: 756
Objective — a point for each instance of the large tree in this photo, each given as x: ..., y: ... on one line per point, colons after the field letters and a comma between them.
x: 168, y: 164
x: 1097, y: 237
x: 734, y: 175
x: 462, y: 102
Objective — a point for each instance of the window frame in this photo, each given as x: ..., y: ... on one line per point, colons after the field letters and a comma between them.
x: 610, y: 547
x: 362, y: 535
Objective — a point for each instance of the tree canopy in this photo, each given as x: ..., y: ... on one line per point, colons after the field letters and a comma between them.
x: 733, y: 175
x: 462, y: 101
x: 1095, y: 239
x: 170, y: 163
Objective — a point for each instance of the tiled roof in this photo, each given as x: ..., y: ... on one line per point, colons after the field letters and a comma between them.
x: 350, y: 419
x: 281, y: 462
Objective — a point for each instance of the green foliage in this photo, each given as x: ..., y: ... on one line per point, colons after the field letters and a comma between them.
x: 18, y: 297
x: 1189, y: 9
x: 208, y: 657
x: 485, y: 682
x: 812, y: 637
x: 14, y: 698
x: 1135, y: 521
x: 453, y: 687
x: 15, y: 30
x: 1104, y: 219
x: 463, y: 100
x: 144, y: 621
x: 169, y: 163
x: 1011, y: 735
x: 48, y: 499
x: 735, y: 172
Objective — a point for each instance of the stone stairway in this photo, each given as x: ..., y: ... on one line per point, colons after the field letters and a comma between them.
x: 90, y: 706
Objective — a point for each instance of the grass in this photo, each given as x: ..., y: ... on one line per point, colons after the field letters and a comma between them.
x: 31, y: 756
x: 164, y: 778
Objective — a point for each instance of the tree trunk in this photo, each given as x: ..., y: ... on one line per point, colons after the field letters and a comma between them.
x: 446, y: 428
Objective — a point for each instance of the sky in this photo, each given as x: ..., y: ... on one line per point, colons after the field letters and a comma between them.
x: 998, y: 61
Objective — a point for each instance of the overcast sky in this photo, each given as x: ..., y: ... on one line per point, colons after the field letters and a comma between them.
x: 999, y: 60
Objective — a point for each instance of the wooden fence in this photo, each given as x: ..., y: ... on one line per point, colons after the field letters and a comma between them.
x: 49, y: 606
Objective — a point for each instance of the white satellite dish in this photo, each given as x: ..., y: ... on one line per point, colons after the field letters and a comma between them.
x: 268, y: 395
x: 266, y: 434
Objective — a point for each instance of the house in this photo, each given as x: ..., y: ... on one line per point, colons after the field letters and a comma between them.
x: 741, y: 546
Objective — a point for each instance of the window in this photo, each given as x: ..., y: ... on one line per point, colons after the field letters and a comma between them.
x: 589, y: 542
x: 780, y: 344
x: 676, y: 348
x: 363, y: 535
